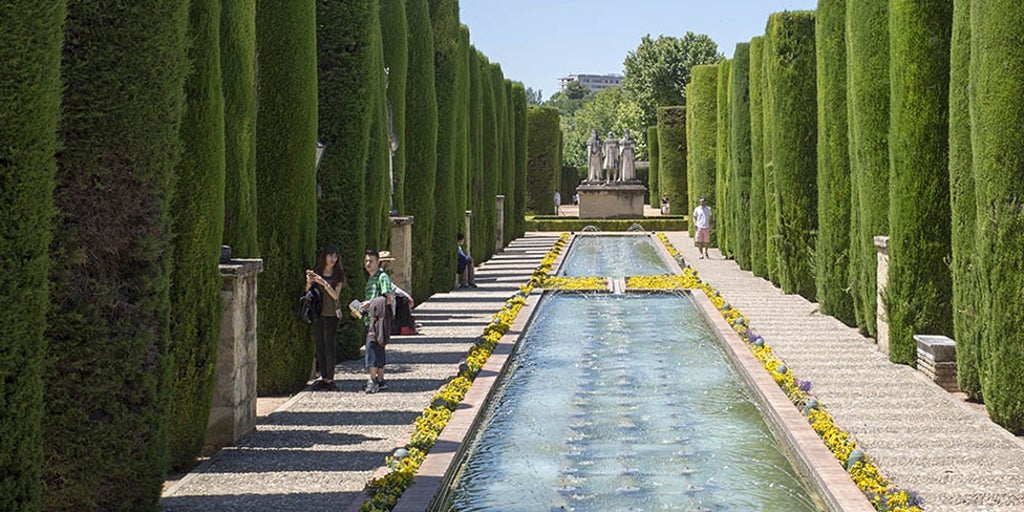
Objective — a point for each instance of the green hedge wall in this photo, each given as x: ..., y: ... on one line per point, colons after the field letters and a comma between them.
x: 758, y: 232
x: 702, y: 101
x: 672, y: 158
x: 832, y: 254
x: 347, y: 81
x: 563, y: 224
x: 520, y: 150
x: 919, y: 293
x: 286, y: 135
x: 195, y: 278
x: 485, y: 233
x: 394, y: 30
x: 543, y: 164
x: 791, y: 71
x: 378, y: 186
x: 867, y: 73
x: 238, y: 81
x: 506, y: 183
x: 688, y: 131
x: 30, y: 87
x: 739, y: 155
x: 966, y: 300
x: 997, y: 86
x: 421, y: 129
x: 475, y: 185
x: 569, y: 178
x: 444, y: 16
x: 653, y: 186
x: 462, y: 134
x: 771, y: 198
x: 510, y: 163
x: 105, y: 418
x: 722, y: 185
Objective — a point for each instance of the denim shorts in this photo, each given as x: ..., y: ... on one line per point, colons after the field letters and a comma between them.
x: 375, y: 356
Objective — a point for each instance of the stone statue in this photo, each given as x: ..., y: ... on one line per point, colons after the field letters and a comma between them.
x: 627, y: 157
x: 593, y: 157
x: 611, y: 157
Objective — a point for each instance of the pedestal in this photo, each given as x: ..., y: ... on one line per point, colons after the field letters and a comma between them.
x: 882, y: 321
x: 618, y: 200
x: 499, y: 241
x: 233, y: 410
x: 400, y: 270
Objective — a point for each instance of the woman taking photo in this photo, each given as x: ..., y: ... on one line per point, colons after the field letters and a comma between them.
x: 329, y: 277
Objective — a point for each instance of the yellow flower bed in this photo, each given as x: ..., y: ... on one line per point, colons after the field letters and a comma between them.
x: 576, y: 283
x: 384, y: 492
x: 686, y: 281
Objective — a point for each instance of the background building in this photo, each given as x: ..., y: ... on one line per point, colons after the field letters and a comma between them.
x: 593, y: 82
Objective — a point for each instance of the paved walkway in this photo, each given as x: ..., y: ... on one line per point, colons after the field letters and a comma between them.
x: 922, y: 437
x: 317, y: 451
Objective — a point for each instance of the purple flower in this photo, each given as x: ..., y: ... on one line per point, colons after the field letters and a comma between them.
x: 803, y: 385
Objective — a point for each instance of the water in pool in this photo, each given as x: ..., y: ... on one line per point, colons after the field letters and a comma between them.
x: 624, y: 403
x: 616, y: 256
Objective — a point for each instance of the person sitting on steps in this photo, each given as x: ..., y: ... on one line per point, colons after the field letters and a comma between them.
x: 467, y: 274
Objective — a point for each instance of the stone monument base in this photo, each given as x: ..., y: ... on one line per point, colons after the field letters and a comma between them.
x: 616, y: 200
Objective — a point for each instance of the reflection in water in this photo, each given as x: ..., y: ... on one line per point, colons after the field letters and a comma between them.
x: 616, y: 256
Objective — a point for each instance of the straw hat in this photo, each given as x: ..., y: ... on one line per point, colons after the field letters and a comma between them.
x: 385, y: 256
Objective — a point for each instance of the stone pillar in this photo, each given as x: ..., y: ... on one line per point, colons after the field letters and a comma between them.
x: 233, y: 410
x: 882, y: 323
x: 467, y: 231
x: 499, y: 242
x: 401, y: 248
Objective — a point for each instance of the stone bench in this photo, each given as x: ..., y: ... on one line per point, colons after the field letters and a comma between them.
x: 936, y: 358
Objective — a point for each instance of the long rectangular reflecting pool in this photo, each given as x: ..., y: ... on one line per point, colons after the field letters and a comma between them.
x: 613, y: 255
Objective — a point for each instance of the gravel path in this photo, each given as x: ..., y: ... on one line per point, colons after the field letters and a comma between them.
x: 922, y: 437
x: 318, y: 451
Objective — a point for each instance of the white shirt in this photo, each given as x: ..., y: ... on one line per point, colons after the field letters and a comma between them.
x: 702, y: 217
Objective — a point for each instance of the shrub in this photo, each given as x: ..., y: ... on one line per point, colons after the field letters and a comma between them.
x: 462, y: 134
x: 653, y: 186
x: 702, y: 101
x: 672, y: 157
x: 543, y: 164
x: 195, y: 279
x: 919, y: 293
x: 739, y: 155
x: 722, y: 220
x: 475, y: 178
x: 771, y: 198
x: 758, y: 233
x: 867, y: 73
x: 485, y: 234
x: 791, y: 77
x: 105, y: 418
x: 394, y: 28
x: 520, y: 151
x: 509, y: 133
x: 286, y: 187
x: 30, y: 88
x: 444, y: 16
x: 832, y: 252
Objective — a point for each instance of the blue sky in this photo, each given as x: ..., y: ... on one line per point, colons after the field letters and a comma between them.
x: 538, y: 41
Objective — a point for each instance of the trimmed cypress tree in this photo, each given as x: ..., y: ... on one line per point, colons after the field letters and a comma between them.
x: 503, y: 149
x: 653, y: 187
x: 758, y: 232
x: 238, y: 81
x: 105, y: 418
x: 771, y: 198
x: 966, y: 300
x: 919, y: 293
x: 475, y: 184
x: 867, y: 76
x: 688, y: 131
x: 520, y: 151
x: 739, y: 154
x: 378, y: 186
x: 444, y: 16
x: 832, y: 254
x: 791, y: 72
x: 510, y: 164
x: 195, y: 279
x: 672, y: 157
x: 394, y: 30
x: 30, y: 87
x: 722, y: 184
x: 286, y: 186
x: 462, y: 134
x: 421, y: 129
x: 702, y: 101
x: 997, y: 84
x: 485, y: 234
x: 543, y: 161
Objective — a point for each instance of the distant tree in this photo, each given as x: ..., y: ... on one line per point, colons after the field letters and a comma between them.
x: 534, y: 97
x: 659, y: 69
x: 568, y: 102
x: 611, y: 109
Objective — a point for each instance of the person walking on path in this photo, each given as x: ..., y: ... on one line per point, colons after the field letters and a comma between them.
x: 378, y: 284
x: 329, y: 277
x: 664, y: 204
x: 558, y: 203
x: 702, y: 222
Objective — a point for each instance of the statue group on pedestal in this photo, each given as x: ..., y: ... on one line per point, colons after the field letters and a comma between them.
x: 611, y: 160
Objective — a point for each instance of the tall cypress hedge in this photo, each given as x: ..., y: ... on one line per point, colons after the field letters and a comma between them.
x: 771, y: 197
x: 510, y: 163
x: 444, y: 16
x: 687, y: 131
x: 421, y: 129
x: 484, y: 236
x: 867, y: 76
x: 394, y: 30
x: 105, y: 418
x: 238, y: 81
x: 672, y: 157
x: 739, y: 154
x: 378, y: 186
x: 503, y: 148
x: 462, y: 134
x: 195, y: 278
x: 722, y: 220
x: 475, y: 179
x: 543, y: 162
x: 758, y: 232
x: 30, y: 86
x: 520, y: 150
x: 919, y: 294
x: 832, y: 255
x: 702, y: 101
x: 653, y: 186
x: 286, y: 186
x: 966, y: 300
x: 997, y: 86
x: 791, y: 72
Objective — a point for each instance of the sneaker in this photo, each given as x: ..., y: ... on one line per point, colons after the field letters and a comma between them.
x: 371, y: 387
x: 462, y: 285
x: 472, y: 285
x: 381, y: 385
